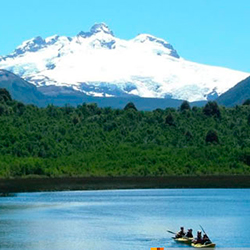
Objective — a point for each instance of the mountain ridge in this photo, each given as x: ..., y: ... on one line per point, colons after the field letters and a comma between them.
x: 99, y: 64
x: 236, y: 95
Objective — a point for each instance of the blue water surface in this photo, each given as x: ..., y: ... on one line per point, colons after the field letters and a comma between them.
x: 122, y: 219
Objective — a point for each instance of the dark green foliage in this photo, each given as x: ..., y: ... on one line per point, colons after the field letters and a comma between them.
x: 246, y: 102
x: 129, y: 106
x: 212, y: 137
x: 185, y: 106
x: 4, y: 95
x: 2, y: 109
x: 93, y: 141
x: 188, y: 135
x: 170, y: 120
x: 195, y: 108
x: 212, y: 109
x: 245, y: 156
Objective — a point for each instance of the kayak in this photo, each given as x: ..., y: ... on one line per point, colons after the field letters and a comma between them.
x: 183, y: 240
x: 199, y: 245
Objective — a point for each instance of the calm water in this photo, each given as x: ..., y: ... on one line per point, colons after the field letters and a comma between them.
x: 122, y: 220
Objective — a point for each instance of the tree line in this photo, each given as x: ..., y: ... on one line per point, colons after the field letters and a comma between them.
x: 91, y: 141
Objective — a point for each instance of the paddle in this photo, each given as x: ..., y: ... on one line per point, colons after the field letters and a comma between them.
x: 204, y: 232
x: 171, y: 232
x: 202, y: 229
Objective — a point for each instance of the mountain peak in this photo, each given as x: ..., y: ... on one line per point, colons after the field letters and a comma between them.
x: 31, y: 45
x: 145, y: 38
x: 97, y: 28
x: 101, y: 27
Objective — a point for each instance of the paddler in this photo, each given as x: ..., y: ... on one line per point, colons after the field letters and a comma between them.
x: 205, y: 240
x: 181, y: 233
x: 198, y: 239
x: 189, y: 233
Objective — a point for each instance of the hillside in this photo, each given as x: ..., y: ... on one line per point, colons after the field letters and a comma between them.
x: 20, y: 89
x: 236, y: 95
x: 93, y: 141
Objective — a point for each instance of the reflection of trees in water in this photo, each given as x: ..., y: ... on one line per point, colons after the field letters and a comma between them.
x: 7, y: 195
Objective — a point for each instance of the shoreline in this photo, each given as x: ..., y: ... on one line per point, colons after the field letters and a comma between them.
x: 104, y: 183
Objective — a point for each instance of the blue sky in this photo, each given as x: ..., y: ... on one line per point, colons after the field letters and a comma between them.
x: 215, y: 32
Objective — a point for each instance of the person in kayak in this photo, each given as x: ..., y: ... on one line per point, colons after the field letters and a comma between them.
x: 189, y: 233
x: 181, y: 233
x: 198, y: 239
x: 205, y: 240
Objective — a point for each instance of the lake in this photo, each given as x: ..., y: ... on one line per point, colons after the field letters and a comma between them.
x: 122, y: 219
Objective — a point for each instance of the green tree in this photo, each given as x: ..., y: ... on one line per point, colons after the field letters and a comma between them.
x: 246, y: 102
x: 5, y: 95
x: 185, y: 106
x: 212, y: 109
x: 212, y: 137
x: 170, y: 120
x: 129, y: 106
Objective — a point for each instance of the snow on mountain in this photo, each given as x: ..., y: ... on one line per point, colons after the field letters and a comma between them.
x: 100, y: 64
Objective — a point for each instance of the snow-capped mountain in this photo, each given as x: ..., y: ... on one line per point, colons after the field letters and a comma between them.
x: 100, y: 64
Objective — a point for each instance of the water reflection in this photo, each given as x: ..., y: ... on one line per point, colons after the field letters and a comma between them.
x: 7, y: 195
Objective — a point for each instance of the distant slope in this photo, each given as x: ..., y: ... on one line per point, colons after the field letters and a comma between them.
x: 236, y: 95
x: 20, y: 89
x: 60, y: 96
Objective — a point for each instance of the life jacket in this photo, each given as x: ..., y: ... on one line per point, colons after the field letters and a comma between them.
x: 189, y: 235
x: 180, y: 234
x: 199, y: 240
x: 205, y: 239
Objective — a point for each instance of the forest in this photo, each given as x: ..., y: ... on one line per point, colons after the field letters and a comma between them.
x: 90, y: 141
